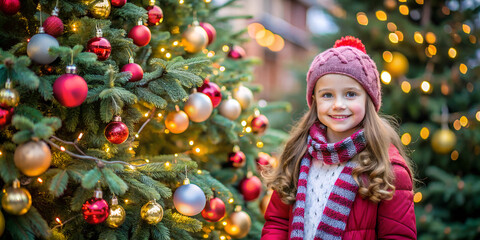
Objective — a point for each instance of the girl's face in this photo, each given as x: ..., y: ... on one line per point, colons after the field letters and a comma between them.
x: 341, y: 103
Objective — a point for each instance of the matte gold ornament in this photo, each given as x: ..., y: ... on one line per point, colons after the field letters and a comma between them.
x: 443, y: 141
x: 117, y: 214
x: 199, y: 107
x: 177, y: 122
x: 33, y: 158
x: 16, y: 200
x: 2, y: 223
x: 238, y: 224
x: 230, y: 108
x: 9, y: 97
x: 244, y: 96
x: 194, y: 39
x: 152, y: 212
x: 99, y: 8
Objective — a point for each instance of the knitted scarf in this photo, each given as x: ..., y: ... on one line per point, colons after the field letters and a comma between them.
x: 334, y: 218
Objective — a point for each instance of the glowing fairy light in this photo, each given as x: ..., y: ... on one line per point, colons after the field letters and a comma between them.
x: 62, y: 149
x: 39, y: 180
x: 80, y: 136
x: 418, y: 37
x: 386, y: 77
x: 406, y: 138
x: 191, y: 142
x: 225, y: 48
x: 362, y: 18
x: 425, y: 86
x: 406, y: 87
x: 381, y: 15
x: 424, y: 133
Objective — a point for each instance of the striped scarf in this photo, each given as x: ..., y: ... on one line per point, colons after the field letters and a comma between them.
x: 334, y: 218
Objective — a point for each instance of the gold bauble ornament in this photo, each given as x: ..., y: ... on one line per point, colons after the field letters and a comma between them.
x: 238, y: 224
x: 244, y: 96
x: 16, y: 200
x: 194, y: 39
x: 99, y: 8
x: 117, y: 215
x: 2, y: 223
x: 265, y: 201
x: 9, y: 97
x: 152, y: 212
x: 33, y: 158
x: 398, y: 66
x: 177, y: 122
x: 443, y: 141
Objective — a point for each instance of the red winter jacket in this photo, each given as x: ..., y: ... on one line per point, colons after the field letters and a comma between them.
x: 389, y: 219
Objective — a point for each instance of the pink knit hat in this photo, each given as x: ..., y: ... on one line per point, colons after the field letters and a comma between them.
x: 347, y: 57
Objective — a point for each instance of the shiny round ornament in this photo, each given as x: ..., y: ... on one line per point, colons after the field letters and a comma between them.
x: 198, y: 107
x: 38, y: 46
x: 237, y: 159
x: 135, y: 69
x: 194, y: 39
x: 99, y: 8
x: 177, y: 122
x: 265, y: 201
x: 140, y: 35
x: 53, y: 25
x: 100, y: 46
x: 116, y: 131
x: 262, y: 160
x: 5, y: 116
x: 117, y: 214
x: 250, y: 187
x: 238, y: 224
x: 2, y: 223
x: 189, y: 199
x: 118, y: 3
x: 259, y: 124
x: 210, y: 30
x: 16, y: 200
x: 212, y: 91
x: 33, y: 158
x: 95, y: 210
x: 9, y: 97
x: 443, y: 141
x: 244, y: 96
x: 237, y: 52
x: 9, y: 7
x: 214, y: 210
x: 398, y: 66
x: 152, y: 212
x: 230, y: 109
x: 155, y: 15
x: 70, y: 89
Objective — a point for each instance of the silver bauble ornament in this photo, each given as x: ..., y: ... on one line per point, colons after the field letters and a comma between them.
x: 189, y: 199
x: 194, y: 39
x: 198, y: 107
x: 37, y: 47
x: 230, y: 109
x: 244, y: 96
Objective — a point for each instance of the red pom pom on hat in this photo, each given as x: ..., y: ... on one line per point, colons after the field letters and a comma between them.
x: 350, y: 41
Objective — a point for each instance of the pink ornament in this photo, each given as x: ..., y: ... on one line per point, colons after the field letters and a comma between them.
x: 250, y: 188
x: 118, y: 3
x: 135, y: 69
x: 155, y: 15
x: 237, y: 159
x: 214, y: 210
x: 116, y: 131
x: 95, y: 210
x: 211, y: 32
x: 212, y: 91
x: 140, y: 34
x: 5, y: 116
x: 10, y: 7
x: 70, y: 90
x: 237, y: 52
x: 100, y: 46
x: 53, y: 25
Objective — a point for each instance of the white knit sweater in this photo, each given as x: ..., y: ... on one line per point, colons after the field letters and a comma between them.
x: 321, y: 179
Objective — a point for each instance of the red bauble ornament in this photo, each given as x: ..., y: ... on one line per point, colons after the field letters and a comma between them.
x: 237, y: 159
x: 135, y: 69
x: 259, y: 124
x: 10, y: 7
x: 70, y: 90
x: 53, y: 25
x: 214, y: 210
x: 212, y: 91
x: 116, y: 131
x: 140, y: 34
x: 262, y: 160
x: 100, y: 46
x: 5, y: 116
x: 237, y: 52
x: 250, y: 188
x: 95, y: 210
x: 118, y: 3
x: 155, y: 15
x: 211, y: 32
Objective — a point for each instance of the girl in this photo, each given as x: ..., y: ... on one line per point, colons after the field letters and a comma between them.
x: 343, y: 173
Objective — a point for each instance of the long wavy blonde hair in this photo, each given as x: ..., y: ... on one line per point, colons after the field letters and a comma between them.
x: 373, y: 174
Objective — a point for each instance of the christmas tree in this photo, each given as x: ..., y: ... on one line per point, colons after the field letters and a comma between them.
x: 426, y: 52
x: 129, y: 120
